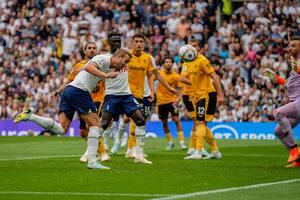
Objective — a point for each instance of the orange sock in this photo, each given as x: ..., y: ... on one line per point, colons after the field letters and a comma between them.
x: 101, y: 146
x: 200, y: 133
x: 132, y: 139
x: 192, y: 140
x: 211, y: 140
x: 169, y: 137
x: 181, y: 136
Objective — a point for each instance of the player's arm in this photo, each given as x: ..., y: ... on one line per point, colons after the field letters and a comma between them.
x: 274, y: 77
x: 179, y: 97
x: 151, y: 86
x: 164, y: 82
x: 60, y: 89
x: 217, y: 85
x: 185, y: 80
x: 92, y: 69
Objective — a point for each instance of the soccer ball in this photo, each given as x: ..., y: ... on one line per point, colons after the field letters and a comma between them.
x: 187, y: 53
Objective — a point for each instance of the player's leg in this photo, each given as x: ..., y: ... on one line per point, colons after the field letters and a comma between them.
x: 92, y: 121
x: 130, y: 108
x: 66, y: 113
x: 284, y: 130
x: 200, y: 132
x: 175, y: 117
x: 209, y: 115
x: 163, y: 113
x: 118, y: 137
x: 102, y: 151
x: 131, y: 150
x: 187, y: 100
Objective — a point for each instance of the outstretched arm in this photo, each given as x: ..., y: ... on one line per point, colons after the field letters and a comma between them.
x: 163, y: 82
x: 274, y: 77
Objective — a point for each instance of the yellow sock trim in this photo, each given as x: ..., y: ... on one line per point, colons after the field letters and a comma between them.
x: 169, y: 137
x: 200, y: 133
x: 192, y: 140
x: 211, y: 140
x: 181, y: 136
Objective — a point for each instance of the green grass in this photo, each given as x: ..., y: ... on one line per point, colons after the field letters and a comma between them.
x: 244, y: 163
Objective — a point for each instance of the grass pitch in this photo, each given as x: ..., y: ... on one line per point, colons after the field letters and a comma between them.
x: 48, y: 168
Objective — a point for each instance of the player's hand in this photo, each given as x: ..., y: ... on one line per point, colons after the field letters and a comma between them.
x: 294, y: 63
x: 220, y: 100
x: 173, y: 90
x: 175, y: 104
x: 151, y: 98
x: 112, y: 74
x: 55, y: 93
x: 270, y: 74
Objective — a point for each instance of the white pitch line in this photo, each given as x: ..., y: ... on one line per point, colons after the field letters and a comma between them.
x: 69, y: 156
x: 38, y: 158
x: 256, y: 155
x: 181, y: 196
x: 83, y: 194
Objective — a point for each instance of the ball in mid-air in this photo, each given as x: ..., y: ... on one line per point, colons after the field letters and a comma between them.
x: 187, y: 53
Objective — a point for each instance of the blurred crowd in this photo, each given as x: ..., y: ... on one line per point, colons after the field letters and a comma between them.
x: 41, y: 40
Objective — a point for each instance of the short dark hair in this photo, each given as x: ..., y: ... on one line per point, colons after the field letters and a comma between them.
x: 195, y: 40
x: 295, y: 38
x: 138, y: 35
x: 112, y: 35
x: 86, y: 44
x: 168, y: 57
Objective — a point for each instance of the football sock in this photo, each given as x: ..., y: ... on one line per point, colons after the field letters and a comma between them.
x: 92, y: 142
x: 48, y: 124
x: 200, y: 133
x: 181, y: 136
x: 169, y: 137
x: 211, y: 140
x: 192, y: 140
x: 101, y: 146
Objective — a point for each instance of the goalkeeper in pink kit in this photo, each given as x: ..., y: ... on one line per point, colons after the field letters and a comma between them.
x: 288, y: 116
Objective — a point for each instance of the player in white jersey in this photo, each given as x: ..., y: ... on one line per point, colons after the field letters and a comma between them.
x: 76, y: 97
x: 119, y: 100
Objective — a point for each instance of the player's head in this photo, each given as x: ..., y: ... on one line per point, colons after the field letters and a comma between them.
x: 294, y: 47
x: 195, y: 43
x: 90, y: 49
x: 138, y: 42
x: 168, y: 63
x: 114, y: 40
x: 120, y: 59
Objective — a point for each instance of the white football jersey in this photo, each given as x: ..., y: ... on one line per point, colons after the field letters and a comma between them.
x: 87, y: 81
x: 118, y: 85
x: 147, y: 91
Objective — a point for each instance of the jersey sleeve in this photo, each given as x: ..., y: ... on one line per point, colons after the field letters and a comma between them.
x: 152, y: 66
x: 73, y: 73
x: 206, y: 67
x: 98, y: 60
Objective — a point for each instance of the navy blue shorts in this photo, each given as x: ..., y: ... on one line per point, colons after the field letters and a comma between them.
x: 74, y: 99
x: 119, y: 104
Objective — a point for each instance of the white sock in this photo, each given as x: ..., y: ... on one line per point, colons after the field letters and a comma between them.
x: 114, y: 129
x: 140, y: 141
x: 48, y: 124
x: 92, y: 142
x: 106, y: 137
x: 121, y: 131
